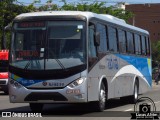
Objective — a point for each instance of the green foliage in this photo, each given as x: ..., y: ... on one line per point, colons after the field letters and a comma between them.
x: 8, y: 11
x: 99, y: 8
x: 155, y: 51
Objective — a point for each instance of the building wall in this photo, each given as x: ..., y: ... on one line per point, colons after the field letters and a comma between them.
x: 146, y: 16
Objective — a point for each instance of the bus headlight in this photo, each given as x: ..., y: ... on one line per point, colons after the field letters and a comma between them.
x: 76, y: 82
x: 15, y: 84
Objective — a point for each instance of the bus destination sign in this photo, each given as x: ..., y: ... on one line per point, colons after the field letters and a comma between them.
x: 31, y: 24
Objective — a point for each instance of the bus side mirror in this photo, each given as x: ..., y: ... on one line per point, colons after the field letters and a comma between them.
x: 3, y: 40
x: 96, y: 38
x: 8, y: 27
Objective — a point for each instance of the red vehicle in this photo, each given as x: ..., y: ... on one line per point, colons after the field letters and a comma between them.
x: 4, y: 70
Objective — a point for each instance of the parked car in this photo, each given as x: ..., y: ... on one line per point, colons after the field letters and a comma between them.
x: 4, y: 71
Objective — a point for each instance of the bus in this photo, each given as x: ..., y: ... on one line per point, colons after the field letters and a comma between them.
x: 77, y: 57
x: 4, y: 70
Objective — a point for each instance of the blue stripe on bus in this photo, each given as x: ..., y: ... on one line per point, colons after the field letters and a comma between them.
x: 25, y: 82
x: 142, y: 64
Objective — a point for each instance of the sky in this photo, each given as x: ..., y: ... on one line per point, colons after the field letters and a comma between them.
x: 109, y: 2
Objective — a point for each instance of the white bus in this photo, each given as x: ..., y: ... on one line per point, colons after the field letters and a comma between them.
x: 77, y: 57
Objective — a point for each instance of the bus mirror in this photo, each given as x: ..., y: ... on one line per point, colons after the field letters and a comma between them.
x: 8, y: 27
x: 97, y: 39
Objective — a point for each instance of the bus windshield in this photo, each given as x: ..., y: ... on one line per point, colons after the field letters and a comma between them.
x: 48, y: 45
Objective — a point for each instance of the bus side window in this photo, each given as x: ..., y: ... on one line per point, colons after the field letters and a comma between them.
x: 143, y: 45
x: 137, y: 44
x: 130, y: 43
x: 91, y: 48
x: 103, y: 38
x: 112, y: 39
x: 147, y: 46
x: 122, y: 41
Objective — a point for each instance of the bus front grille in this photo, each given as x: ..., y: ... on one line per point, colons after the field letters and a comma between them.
x: 35, y: 96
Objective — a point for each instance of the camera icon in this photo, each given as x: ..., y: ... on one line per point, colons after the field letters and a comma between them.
x: 144, y: 108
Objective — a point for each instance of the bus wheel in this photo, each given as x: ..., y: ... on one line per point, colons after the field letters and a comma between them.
x: 101, y: 103
x: 36, y: 107
x: 6, y: 92
x: 134, y: 97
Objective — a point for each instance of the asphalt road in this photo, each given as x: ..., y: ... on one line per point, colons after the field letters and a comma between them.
x: 115, y: 109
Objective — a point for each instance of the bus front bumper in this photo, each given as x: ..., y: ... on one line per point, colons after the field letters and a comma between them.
x: 20, y: 94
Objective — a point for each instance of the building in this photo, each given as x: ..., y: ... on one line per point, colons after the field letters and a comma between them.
x: 120, y: 5
x: 146, y: 16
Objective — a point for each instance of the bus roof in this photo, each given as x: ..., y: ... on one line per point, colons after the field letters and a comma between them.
x: 88, y: 15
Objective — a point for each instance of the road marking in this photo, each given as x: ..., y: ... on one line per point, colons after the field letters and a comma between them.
x: 157, y: 102
x: 131, y: 109
x: 128, y: 110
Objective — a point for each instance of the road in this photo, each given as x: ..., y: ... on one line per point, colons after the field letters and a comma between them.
x: 115, y: 108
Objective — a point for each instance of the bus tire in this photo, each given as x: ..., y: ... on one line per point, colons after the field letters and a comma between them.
x: 5, y: 89
x: 36, y: 107
x: 134, y: 97
x: 101, y: 103
x: 6, y: 92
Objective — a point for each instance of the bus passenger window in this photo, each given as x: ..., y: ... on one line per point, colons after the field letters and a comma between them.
x: 103, y: 38
x: 143, y: 45
x: 122, y: 41
x: 137, y: 44
x: 130, y: 44
x: 91, y: 48
x: 147, y: 46
x: 112, y: 39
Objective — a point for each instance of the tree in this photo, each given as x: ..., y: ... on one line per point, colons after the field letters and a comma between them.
x: 8, y: 11
x: 96, y: 7
x: 99, y: 8
x: 155, y: 51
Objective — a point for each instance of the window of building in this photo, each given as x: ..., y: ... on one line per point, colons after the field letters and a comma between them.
x: 112, y: 39
x: 130, y: 43
x: 103, y: 38
x: 122, y: 41
x: 137, y: 44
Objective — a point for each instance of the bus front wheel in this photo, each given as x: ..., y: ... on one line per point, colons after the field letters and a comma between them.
x: 36, y: 107
x: 101, y: 103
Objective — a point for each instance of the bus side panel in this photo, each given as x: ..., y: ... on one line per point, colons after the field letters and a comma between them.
x: 102, y: 68
x: 121, y: 76
x: 138, y: 67
x: 121, y: 72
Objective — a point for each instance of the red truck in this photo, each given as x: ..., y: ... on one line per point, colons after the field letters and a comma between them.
x: 4, y: 70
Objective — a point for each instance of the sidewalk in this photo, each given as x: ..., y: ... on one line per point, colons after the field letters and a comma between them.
x: 154, y: 86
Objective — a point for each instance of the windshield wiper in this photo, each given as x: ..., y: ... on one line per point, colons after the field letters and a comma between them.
x: 30, y: 62
x: 60, y: 64
x: 27, y: 65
